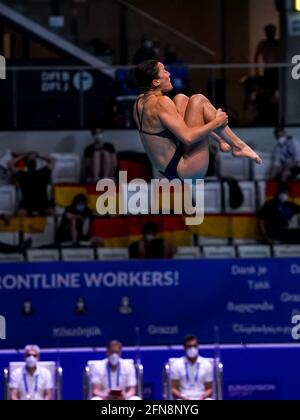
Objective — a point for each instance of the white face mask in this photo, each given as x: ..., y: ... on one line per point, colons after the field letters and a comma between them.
x: 283, y: 197
x: 27, y: 307
x: 148, y: 44
x: 282, y: 140
x: 114, y: 359
x: 98, y: 137
x: 149, y: 238
x: 80, y: 306
x: 192, y: 352
x: 31, y: 362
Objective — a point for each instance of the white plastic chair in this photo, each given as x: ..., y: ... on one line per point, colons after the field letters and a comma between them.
x: 219, y: 252
x: 92, y: 364
x: 55, y: 371
x: 211, y: 241
x: 46, y: 238
x: 257, y: 251
x: 9, y: 238
x: 11, y: 258
x: 217, y: 367
x: 78, y: 255
x: 66, y: 169
x: 231, y: 167
x: 249, y: 204
x: 43, y: 255
x: 213, y: 198
x: 187, y: 253
x: 112, y: 254
x: 8, y: 199
x: 262, y: 172
x: 286, y: 251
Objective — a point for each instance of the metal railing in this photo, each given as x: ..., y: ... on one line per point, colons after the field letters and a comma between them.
x: 207, y: 51
x: 78, y: 97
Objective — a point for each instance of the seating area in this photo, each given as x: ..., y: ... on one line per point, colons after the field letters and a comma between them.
x: 243, y: 169
x: 183, y: 253
x: 229, y: 230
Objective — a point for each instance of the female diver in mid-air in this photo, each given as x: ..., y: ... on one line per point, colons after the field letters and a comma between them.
x: 175, y: 133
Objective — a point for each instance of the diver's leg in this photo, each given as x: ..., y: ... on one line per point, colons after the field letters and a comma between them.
x: 194, y: 163
x: 239, y: 147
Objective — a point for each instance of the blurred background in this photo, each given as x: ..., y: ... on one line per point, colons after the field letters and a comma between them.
x: 66, y: 122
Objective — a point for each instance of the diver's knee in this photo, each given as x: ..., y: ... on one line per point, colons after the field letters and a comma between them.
x: 181, y: 98
x: 199, y: 98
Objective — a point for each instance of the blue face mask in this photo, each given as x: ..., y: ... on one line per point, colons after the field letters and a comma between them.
x: 80, y: 208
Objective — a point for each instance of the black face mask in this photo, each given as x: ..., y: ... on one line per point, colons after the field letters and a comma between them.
x: 31, y: 165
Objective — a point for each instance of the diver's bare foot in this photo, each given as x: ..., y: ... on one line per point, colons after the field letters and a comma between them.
x: 225, y: 147
x: 246, y: 151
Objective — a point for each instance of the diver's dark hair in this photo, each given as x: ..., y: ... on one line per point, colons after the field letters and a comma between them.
x: 144, y: 74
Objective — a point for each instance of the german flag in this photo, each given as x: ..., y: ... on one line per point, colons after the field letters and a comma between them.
x: 243, y: 226
x: 64, y: 194
x: 24, y: 224
x: 123, y: 231
x: 293, y: 187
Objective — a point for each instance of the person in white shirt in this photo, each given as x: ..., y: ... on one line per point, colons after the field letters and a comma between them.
x: 286, y: 157
x: 192, y: 375
x: 114, y: 378
x: 31, y: 382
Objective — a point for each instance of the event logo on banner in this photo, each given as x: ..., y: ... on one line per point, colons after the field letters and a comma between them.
x: 252, y: 391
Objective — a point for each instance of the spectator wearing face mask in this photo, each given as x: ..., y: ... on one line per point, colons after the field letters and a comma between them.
x: 32, y: 382
x: 76, y: 222
x: 34, y: 184
x: 275, y: 218
x: 151, y: 246
x: 286, y: 157
x: 147, y: 51
x: 100, y: 158
x: 114, y: 378
x: 192, y: 375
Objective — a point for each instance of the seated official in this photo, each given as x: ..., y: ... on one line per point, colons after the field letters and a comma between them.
x: 192, y: 375
x: 114, y: 378
x: 31, y: 382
